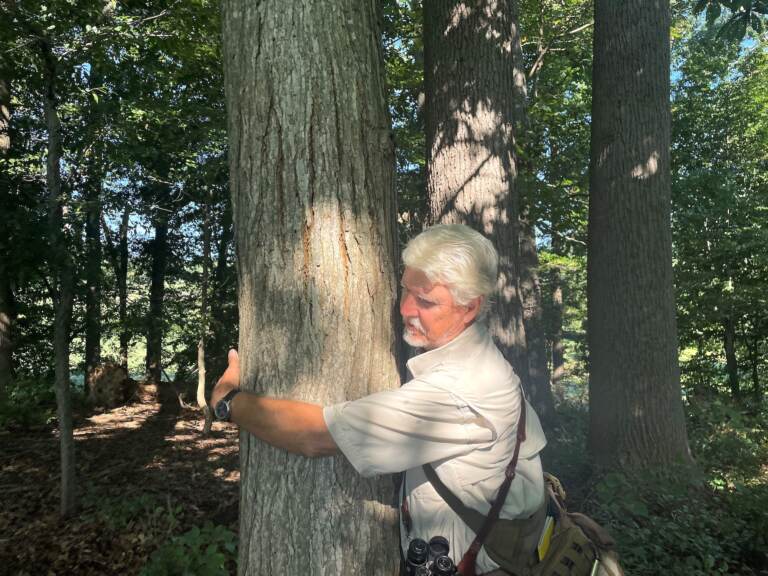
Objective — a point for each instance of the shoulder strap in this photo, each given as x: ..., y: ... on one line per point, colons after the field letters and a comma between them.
x: 480, y: 525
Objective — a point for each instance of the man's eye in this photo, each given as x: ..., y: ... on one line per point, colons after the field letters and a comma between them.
x: 425, y: 303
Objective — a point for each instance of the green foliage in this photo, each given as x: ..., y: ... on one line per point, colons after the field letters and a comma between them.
x: 739, y: 16
x: 209, y: 550
x: 671, y: 522
x: 142, y: 513
x: 29, y: 402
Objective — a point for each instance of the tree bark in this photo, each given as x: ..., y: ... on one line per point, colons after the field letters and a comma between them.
x: 155, y: 324
x: 62, y: 267
x: 202, y: 402
x: 311, y: 165
x: 472, y: 84
x: 539, y: 391
x: 731, y: 363
x: 636, y: 411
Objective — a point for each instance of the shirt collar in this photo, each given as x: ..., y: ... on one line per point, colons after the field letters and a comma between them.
x: 428, y: 361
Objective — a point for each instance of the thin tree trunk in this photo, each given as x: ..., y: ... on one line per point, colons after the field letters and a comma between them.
x: 122, y: 289
x: 6, y: 324
x: 202, y: 402
x: 155, y: 324
x: 558, y: 347
x: 6, y: 293
x: 539, y: 390
x: 731, y: 364
x: 755, y: 362
x: 60, y: 263
x: 311, y: 165
x: 636, y: 410
x: 472, y: 83
x: 93, y: 274
x: 223, y: 276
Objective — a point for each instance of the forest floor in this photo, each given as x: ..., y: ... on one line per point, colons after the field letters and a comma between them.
x: 144, y: 473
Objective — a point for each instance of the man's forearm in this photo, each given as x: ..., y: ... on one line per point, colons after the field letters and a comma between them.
x: 298, y: 427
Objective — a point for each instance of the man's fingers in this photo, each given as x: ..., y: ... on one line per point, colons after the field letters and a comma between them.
x: 233, y: 358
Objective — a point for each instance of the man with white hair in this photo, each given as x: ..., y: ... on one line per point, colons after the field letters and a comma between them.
x: 459, y: 412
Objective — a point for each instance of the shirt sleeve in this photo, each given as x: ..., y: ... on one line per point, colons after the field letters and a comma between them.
x: 395, y: 430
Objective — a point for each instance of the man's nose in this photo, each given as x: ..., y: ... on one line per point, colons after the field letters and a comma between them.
x: 407, y: 305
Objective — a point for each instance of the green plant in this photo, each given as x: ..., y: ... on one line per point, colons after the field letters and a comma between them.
x: 209, y: 550
x: 144, y: 513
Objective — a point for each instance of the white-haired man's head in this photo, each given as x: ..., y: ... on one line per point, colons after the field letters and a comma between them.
x: 459, y: 257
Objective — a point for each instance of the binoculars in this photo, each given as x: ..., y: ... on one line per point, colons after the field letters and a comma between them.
x: 429, y: 558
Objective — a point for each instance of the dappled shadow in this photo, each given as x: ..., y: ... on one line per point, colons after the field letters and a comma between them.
x: 141, y: 451
x: 475, y: 97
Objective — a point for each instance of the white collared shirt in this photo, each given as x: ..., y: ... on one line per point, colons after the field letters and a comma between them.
x: 460, y: 413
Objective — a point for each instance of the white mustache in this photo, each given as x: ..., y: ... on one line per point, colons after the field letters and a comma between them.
x: 415, y: 323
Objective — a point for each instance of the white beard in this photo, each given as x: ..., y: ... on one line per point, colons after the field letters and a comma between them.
x: 416, y: 339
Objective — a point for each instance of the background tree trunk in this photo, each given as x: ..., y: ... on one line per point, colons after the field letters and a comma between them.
x: 62, y: 267
x: 311, y: 164
x: 731, y: 363
x: 93, y: 274
x: 202, y: 401
x: 558, y: 346
x: 122, y: 288
x: 471, y: 84
x: 155, y: 325
x: 636, y: 410
x: 539, y: 391
x: 6, y: 294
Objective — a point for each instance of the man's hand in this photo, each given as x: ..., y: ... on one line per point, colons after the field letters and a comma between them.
x: 229, y: 380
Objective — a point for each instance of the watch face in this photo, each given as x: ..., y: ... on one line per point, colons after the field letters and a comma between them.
x: 221, y: 410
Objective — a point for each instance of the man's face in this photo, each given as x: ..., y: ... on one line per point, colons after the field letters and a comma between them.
x: 430, y: 316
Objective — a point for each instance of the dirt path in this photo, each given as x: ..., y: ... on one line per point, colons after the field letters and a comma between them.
x: 144, y: 473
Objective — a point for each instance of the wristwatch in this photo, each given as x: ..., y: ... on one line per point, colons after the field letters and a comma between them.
x: 222, y: 410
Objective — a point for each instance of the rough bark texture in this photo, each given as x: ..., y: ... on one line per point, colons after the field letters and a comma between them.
x: 62, y: 267
x: 636, y: 411
x: 311, y: 165
x: 471, y: 83
x: 538, y: 388
x: 155, y: 325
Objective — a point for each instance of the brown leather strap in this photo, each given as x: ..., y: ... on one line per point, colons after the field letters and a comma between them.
x: 480, y: 525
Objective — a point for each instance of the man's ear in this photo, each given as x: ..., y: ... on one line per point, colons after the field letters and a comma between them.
x: 473, y: 309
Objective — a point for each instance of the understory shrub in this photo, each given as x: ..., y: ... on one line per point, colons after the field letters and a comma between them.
x: 210, y: 550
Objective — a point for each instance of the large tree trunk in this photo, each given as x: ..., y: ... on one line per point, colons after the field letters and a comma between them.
x: 155, y: 324
x: 311, y: 165
x: 731, y: 364
x: 472, y: 87
x: 539, y: 391
x: 62, y: 267
x: 636, y: 410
